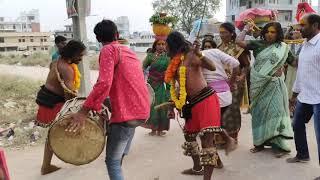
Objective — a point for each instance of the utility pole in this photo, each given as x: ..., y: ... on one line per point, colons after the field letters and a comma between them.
x: 80, y: 33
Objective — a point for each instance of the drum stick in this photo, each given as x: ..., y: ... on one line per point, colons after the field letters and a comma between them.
x: 163, y: 105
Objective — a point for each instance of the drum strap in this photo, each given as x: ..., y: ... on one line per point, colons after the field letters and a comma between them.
x: 65, y: 88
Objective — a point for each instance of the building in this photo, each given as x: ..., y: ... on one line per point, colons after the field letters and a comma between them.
x: 122, y: 23
x: 286, y: 9
x: 141, y: 41
x: 25, y: 41
x: 67, y: 33
x: 28, y: 21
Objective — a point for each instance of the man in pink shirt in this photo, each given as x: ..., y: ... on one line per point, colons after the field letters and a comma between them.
x: 121, y: 78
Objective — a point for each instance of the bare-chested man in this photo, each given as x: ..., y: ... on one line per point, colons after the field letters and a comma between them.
x: 62, y: 84
x: 202, y: 110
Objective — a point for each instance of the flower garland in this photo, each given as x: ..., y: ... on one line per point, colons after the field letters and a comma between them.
x: 169, y: 77
x: 76, y: 76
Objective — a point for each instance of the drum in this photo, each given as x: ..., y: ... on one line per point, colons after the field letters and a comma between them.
x: 78, y: 148
x: 151, y: 93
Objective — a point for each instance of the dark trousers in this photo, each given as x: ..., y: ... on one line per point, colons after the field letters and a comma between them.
x: 302, y: 115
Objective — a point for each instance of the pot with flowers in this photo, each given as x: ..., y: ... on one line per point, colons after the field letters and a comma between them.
x: 162, y: 24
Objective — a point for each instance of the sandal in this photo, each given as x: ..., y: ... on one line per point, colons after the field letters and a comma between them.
x: 257, y: 149
x: 191, y: 171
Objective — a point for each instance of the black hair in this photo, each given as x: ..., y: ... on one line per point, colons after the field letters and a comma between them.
x: 59, y: 39
x: 154, y: 46
x: 149, y: 50
x: 313, y: 18
x: 230, y: 27
x: 177, y: 43
x: 72, y: 49
x: 277, y: 26
x: 106, y: 31
x: 209, y: 40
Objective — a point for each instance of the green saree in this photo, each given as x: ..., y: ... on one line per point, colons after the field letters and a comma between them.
x: 157, y: 66
x: 271, y: 124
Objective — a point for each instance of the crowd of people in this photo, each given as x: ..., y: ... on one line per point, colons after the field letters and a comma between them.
x: 206, y: 83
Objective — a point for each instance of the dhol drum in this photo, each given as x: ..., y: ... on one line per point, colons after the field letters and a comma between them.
x: 78, y: 148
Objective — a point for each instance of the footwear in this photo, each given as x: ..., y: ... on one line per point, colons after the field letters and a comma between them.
x: 297, y: 160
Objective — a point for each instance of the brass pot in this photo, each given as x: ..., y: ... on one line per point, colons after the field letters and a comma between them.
x: 161, y: 29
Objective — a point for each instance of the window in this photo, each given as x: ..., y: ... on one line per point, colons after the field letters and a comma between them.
x: 46, y: 48
x: 261, y: 1
x: 41, y: 40
x: 243, y: 3
x: 250, y: 4
x: 42, y: 48
x: 14, y: 26
x: 34, y: 49
x: 45, y: 40
x: 31, y: 40
x: 1, y: 39
x: 19, y: 40
x: 233, y: 17
x: 23, y: 40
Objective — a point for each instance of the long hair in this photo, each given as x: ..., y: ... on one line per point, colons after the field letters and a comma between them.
x: 72, y: 49
x: 209, y: 40
x: 277, y: 26
x: 177, y: 44
x: 154, y: 46
x: 230, y: 27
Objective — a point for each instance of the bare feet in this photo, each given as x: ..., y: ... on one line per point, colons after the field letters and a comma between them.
x: 153, y: 133
x: 161, y: 133
x: 220, y: 164
x: 231, y: 146
x: 192, y: 171
x: 257, y: 149
x: 48, y: 170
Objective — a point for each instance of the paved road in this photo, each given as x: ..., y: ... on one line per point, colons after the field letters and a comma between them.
x: 155, y: 157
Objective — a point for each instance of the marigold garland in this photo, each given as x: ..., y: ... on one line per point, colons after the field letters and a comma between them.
x: 169, y: 77
x: 76, y: 76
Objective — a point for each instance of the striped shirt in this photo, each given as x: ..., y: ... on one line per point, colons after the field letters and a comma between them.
x: 308, y: 75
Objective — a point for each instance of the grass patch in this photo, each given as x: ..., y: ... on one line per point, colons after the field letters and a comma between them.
x: 17, y: 102
x: 36, y: 59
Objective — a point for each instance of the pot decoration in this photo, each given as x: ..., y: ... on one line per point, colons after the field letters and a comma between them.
x: 162, y: 24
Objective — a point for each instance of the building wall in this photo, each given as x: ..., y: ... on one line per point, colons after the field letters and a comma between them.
x: 25, y: 41
x: 286, y: 9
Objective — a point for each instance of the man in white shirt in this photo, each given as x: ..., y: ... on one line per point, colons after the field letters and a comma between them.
x: 306, y: 96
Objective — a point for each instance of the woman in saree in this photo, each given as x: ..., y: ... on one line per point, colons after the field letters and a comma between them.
x: 231, y: 119
x: 271, y: 125
x: 157, y: 62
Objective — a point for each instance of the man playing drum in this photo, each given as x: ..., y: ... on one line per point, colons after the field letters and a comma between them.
x: 62, y: 84
x: 121, y: 78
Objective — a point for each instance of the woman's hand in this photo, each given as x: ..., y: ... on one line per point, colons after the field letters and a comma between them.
x: 278, y: 73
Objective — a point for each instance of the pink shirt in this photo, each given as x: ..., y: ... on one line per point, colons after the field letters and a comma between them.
x: 122, y: 79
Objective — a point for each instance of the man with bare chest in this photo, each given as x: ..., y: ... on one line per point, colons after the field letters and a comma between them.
x: 197, y: 103
x: 62, y: 84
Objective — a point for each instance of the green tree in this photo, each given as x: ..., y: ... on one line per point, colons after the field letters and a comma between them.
x: 187, y: 11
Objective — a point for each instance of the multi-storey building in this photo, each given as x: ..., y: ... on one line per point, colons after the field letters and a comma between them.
x: 286, y: 9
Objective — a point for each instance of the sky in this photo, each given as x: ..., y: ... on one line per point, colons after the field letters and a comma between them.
x: 53, y: 14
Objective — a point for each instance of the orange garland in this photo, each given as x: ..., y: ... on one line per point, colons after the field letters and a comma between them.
x: 172, y: 68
